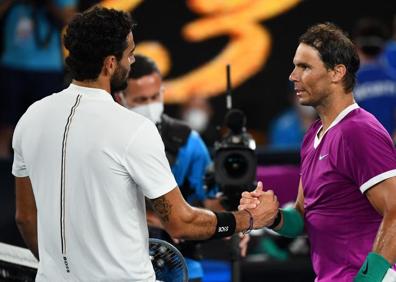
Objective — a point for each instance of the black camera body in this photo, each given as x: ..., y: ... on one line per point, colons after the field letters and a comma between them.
x: 235, y: 160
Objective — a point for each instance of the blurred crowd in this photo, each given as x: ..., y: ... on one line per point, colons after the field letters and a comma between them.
x: 31, y: 68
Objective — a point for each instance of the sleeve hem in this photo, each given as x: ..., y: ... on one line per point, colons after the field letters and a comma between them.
x: 172, y: 185
x: 377, y: 179
x: 19, y: 173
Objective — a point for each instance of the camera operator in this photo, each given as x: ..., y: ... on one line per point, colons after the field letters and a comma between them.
x: 31, y: 61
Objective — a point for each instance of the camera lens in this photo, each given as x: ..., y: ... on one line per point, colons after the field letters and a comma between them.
x: 235, y: 165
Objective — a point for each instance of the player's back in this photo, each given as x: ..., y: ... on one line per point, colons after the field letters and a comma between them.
x: 91, y: 222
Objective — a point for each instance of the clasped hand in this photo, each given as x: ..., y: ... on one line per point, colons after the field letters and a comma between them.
x: 263, y: 205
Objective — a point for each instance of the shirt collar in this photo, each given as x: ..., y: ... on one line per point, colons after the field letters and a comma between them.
x: 91, y: 92
x: 340, y: 117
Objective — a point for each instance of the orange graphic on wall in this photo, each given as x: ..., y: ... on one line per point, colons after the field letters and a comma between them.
x: 247, y: 50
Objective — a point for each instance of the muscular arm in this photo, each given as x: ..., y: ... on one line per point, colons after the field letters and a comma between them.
x: 183, y: 221
x: 383, y: 198
x: 26, y: 213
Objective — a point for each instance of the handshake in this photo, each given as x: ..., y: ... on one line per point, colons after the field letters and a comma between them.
x: 263, y: 206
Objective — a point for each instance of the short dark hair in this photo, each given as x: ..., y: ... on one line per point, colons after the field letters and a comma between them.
x: 334, y: 47
x: 92, y: 36
x: 142, y: 66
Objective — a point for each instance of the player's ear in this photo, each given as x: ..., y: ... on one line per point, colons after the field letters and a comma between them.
x: 338, y: 73
x: 110, y: 65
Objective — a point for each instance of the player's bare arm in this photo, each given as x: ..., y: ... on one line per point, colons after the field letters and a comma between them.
x: 383, y: 198
x: 26, y: 213
x: 184, y: 221
x: 164, y: 207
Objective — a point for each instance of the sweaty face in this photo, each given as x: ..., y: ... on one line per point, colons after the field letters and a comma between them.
x: 312, y: 81
x: 120, y: 75
x: 142, y: 91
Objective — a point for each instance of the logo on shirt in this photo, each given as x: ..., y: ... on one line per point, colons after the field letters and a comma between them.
x: 321, y: 157
x: 365, y: 270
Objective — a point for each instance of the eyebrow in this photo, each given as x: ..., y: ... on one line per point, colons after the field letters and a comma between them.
x: 301, y: 64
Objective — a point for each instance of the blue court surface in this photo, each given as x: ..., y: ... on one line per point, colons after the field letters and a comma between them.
x: 216, y: 270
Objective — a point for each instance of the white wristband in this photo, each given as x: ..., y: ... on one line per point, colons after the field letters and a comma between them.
x: 390, y: 276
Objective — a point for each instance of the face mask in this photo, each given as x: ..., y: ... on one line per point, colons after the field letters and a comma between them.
x: 151, y: 111
x: 196, y: 119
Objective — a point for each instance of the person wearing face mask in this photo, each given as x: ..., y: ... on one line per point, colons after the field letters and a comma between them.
x: 196, y: 112
x: 184, y: 148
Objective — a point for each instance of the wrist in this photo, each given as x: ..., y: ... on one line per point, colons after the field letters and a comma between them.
x: 251, y: 223
x: 373, y: 269
x: 277, y: 220
x: 225, y: 225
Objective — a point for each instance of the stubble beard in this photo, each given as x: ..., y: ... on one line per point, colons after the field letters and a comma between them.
x: 119, y: 80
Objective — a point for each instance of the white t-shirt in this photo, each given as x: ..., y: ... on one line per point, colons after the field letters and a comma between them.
x: 91, y: 162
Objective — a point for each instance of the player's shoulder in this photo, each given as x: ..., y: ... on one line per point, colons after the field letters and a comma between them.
x: 358, y: 124
x: 38, y: 106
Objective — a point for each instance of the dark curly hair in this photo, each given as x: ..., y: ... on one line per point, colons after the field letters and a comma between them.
x: 92, y: 36
x: 334, y: 47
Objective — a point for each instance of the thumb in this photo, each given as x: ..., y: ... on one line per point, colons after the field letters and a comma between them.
x: 259, y: 190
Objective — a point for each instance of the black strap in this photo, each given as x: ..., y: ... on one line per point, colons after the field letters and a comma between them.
x: 174, y: 134
x: 277, y: 220
x: 226, y: 225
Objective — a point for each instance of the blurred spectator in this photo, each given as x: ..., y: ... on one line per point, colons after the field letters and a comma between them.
x: 31, y: 62
x: 197, y: 113
x: 389, y: 54
x: 287, y: 130
x: 376, y: 87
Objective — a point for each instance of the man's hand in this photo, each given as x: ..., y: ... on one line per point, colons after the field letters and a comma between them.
x: 250, y: 200
x: 263, y: 205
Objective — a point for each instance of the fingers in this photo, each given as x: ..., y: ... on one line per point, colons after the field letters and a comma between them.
x: 251, y: 200
x: 259, y: 187
x: 259, y: 190
x: 265, y: 212
x: 248, y: 203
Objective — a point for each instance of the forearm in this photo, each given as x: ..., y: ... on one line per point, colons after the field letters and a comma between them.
x: 201, y: 224
x: 385, y: 242
x: 184, y: 221
x: 378, y: 262
x: 28, y: 230
x: 193, y: 223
